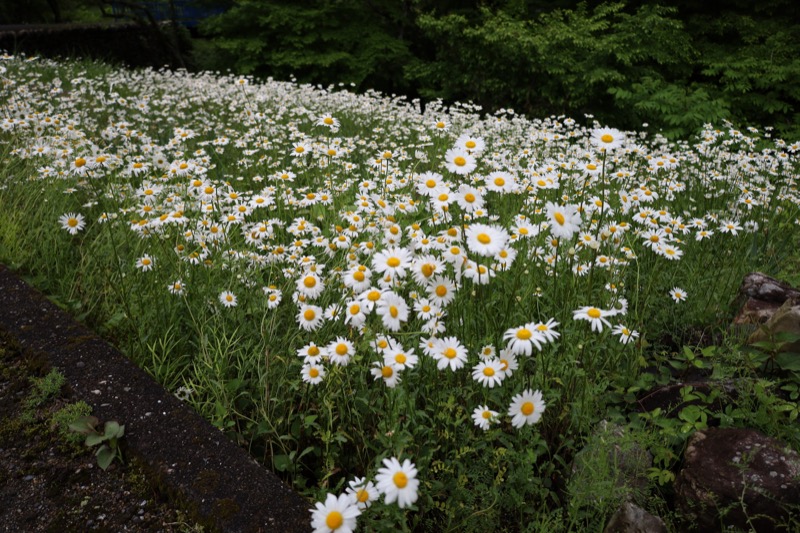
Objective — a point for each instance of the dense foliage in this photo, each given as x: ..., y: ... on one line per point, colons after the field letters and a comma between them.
x: 676, y: 66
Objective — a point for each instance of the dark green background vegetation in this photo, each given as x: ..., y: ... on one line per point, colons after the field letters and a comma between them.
x: 674, y: 65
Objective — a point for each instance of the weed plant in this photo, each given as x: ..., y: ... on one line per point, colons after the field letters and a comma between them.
x: 44, y: 389
x: 65, y: 416
x: 336, y: 279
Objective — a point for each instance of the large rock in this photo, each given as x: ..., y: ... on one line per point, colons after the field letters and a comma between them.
x: 762, y: 287
x: 630, y: 518
x: 739, y: 478
x: 671, y: 398
x: 764, y: 296
x: 786, y: 320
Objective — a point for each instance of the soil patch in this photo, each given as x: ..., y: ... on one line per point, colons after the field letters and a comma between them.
x: 50, y: 484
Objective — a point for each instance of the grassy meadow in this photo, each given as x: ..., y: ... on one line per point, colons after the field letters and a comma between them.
x: 428, y: 310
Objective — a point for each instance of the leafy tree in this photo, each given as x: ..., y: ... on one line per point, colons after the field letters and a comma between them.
x: 328, y: 41
x: 48, y: 11
x: 562, y: 61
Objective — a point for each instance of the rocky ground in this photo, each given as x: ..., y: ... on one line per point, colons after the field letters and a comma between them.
x: 48, y: 483
x: 194, y: 463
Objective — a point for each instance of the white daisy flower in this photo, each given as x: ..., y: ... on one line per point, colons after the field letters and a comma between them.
x: 228, y: 299
x: 596, y: 316
x: 484, y: 417
x: 488, y: 373
x: 398, y: 482
x: 526, y: 408
x: 72, y: 222
x: 336, y: 514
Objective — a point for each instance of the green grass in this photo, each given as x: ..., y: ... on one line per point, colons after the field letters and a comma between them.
x: 225, y: 142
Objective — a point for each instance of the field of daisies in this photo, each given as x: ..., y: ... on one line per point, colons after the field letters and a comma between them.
x: 416, y: 318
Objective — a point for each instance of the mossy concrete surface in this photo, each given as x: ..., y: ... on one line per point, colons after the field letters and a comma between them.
x: 193, y: 461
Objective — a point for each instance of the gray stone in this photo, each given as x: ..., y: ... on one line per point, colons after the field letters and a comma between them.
x: 739, y: 478
x: 630, y: 518
x: 762, y: 287
x: 785, y: 320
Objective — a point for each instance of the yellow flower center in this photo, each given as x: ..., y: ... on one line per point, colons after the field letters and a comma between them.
x: 594, y: 313
x: 341, y: 349
x: 72, y: 222
x: 487, y: 415
x: 459, y: 161
x: 504, y: 364
x: 469, y: 197
x: 428, y: 269
x: 359, y: 276
x: 334, y: 520
x: 430, y: 184
x: 400, y: 358
x: 450, y: 352
x: 470, y: 144
x: 313, y: 351
x: 524, y: 334
x: 355, y: 309
x: 313, y: 372
x: 560, y: 218
x: 527, y: 408
x: 499, y: 182
x: 441, y: 291
x: 488, y: 371
x: 387, y: 372
x: 329, y: 121
x: 484, y: 238
x: 393, y: 262
x: 362, y: 495
x: 393, y: 311
x: 80, y: 162
x: 440, y: 125
x: 374, y: 296
x: 310, y: 282
x: 607, y: 138
x: 309, y: 315
x: 299, y: 149
x: 400, y: 480
x: 591, y: 166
